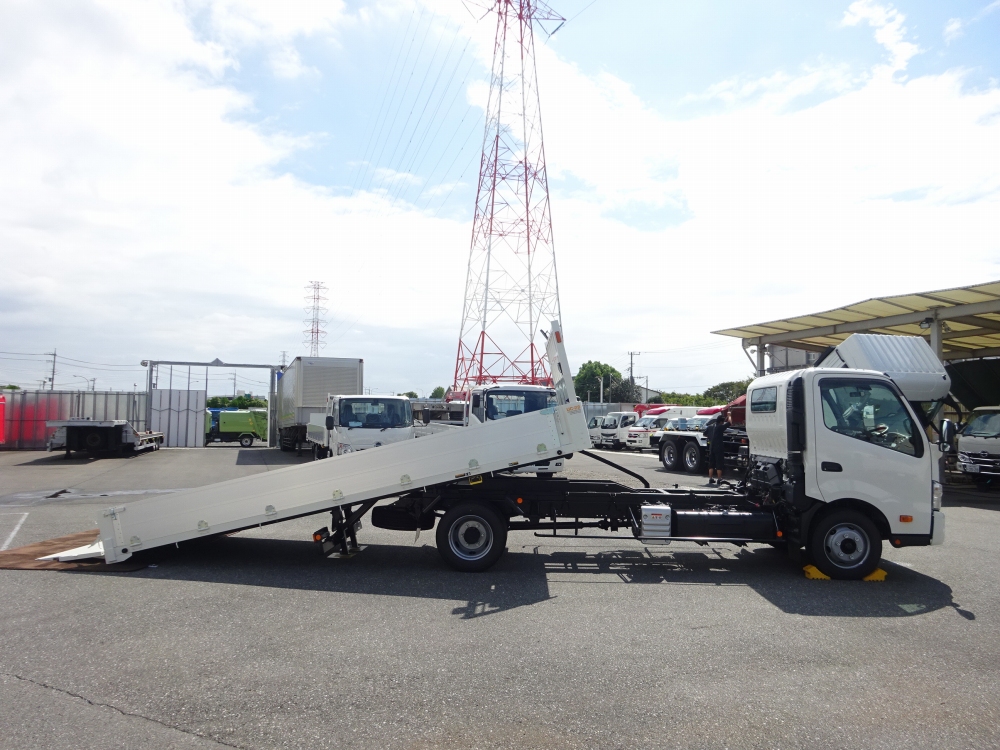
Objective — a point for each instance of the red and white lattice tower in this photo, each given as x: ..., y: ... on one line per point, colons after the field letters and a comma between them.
x: 315, y: 333
x: 511, y: 289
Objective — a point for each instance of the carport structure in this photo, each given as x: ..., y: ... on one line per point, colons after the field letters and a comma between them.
x: 960, y: 324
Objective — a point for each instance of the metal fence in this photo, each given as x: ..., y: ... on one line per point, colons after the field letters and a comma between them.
x: 590, y: 409
x: 27, y: 412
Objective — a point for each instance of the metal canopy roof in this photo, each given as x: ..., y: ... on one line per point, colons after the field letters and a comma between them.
x: 968, y: 317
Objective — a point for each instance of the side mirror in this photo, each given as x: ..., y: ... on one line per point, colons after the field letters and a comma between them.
x: 476, y: 401
x: 948, y: 431
x: 329, y: 421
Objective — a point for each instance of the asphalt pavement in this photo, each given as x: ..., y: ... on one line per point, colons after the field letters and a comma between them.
x: 256, y: 641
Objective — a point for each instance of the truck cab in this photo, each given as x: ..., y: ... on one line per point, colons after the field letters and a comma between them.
x: 594, y: 427
x: 851, y: 458
x: 489, y: 403
x: 639, y: 434
x: 979, y: 446
x: 356, y: 423
x: 615, y: 427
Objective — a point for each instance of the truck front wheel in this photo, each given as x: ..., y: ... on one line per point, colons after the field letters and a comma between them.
x: 692, y: 457
x: 846, y: 545
x: 669, y: 456
x: 471, y: 537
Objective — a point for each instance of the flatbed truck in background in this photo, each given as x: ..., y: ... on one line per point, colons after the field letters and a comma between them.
x: 838, y: 464
x: 101, y: 436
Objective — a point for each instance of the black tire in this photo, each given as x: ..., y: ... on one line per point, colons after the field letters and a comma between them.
x: 845, y: 545
x: 246, y: 440
x: 471, y: 537
x: 93, y: 441
x: 616, y: 445
x: 692, y: 457
x: 670, y: 457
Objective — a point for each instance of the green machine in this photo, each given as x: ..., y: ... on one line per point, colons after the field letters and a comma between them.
x: 231, y: 426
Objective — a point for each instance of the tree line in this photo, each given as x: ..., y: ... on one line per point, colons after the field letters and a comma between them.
x: 619, y: 389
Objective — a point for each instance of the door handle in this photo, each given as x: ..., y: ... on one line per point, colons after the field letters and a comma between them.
x: 831, y: 466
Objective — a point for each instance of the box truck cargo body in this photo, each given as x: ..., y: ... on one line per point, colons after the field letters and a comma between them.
x: 303, y: 389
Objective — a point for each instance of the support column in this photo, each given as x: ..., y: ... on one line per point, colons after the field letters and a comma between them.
x: 272, y: 410
x: 761, y: 365
x: 936, y: 336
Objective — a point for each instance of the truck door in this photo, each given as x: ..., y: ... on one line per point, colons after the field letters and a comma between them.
x: 868, y: 446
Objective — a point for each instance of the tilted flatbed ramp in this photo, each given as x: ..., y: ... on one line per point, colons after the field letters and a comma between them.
x: 353, y: 478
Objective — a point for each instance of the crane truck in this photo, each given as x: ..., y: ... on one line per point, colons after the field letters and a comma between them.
x: 839, y: 464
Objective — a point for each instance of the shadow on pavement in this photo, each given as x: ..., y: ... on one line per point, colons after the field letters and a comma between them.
x: 522, y: 576
x: 770, y: 573
x: 971, y: 497
x: 269, y: 457
x: 76, y: 458
x: 389, y: 570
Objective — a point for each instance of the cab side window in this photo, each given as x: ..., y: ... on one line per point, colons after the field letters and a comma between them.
x: 869, y: 411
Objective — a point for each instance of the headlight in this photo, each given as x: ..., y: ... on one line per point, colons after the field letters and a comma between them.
x: 963, y: 456
x: 344, y: 449
x: 937, y: 494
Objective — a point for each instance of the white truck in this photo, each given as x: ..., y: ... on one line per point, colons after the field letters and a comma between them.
x: 979, y: 446
x: 97, y: 436
x: 303, y: 388
x: 489, y: 403
x: 839, y: 465
x: 356, y: 423
x: 615, y: 427
x: 640, y: 435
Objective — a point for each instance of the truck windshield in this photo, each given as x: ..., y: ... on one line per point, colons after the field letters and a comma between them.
x: 984, y: 425
x: 510, y: 403
x: 645, y: 422
x: 610, y: 423
x: 375, y: 413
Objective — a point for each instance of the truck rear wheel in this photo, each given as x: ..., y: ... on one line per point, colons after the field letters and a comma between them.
x: 692, y: 457
x: 471, y: 537
x: 846, y: 545
x: 246, y: 440
x: 669, y: 456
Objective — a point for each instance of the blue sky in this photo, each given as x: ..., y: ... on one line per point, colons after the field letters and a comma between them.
x: 198, y: 163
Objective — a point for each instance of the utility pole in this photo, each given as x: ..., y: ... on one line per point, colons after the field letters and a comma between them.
x: 234, y: 383
x: 52, y: 382
x: 631, y: 356
x: 601, y: 397
x: 284, y: 357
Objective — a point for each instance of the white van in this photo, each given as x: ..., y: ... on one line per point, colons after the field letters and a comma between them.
x: 614, y: 428
x: 356, y: 423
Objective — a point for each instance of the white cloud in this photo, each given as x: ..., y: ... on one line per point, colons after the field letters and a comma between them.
x: 953, y: 29
x: 889, y: 29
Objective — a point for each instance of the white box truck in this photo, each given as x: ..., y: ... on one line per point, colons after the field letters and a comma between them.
x: 303, y: 388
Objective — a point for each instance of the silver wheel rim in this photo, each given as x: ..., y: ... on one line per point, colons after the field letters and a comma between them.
x: 470, y: 538
x: 846, y: 545
x: 670, y: 455
x: 690, y: 457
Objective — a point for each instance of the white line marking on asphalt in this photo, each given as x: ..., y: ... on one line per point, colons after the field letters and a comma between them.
x: 17, y: 528
x: 624, y: 455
